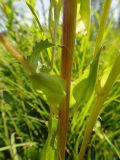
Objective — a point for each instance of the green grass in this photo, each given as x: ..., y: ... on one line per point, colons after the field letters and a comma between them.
x: 25, y: 113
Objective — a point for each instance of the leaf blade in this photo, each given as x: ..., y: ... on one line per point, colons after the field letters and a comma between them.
x: 85, y: 12
x: 83, y: 90
x: 51, y: 85
x: 34, y: 15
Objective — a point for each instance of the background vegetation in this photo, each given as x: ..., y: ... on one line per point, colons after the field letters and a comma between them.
x: 23, y: 113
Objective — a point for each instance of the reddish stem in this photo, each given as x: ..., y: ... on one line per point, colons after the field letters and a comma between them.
x: 69, y: 27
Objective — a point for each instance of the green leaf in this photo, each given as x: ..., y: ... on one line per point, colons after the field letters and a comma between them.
x: 9, y: 12
x: 103, y: 21
x: 83, y: 90
x: 7, y: 9
x: 105, y: 76
x: 39, y: 46
x: 84, y: 76
x: 34, y: 14
x: 51, y: 86
x: 85, y: 7
x: 49, y: 150
x: 115, y: 71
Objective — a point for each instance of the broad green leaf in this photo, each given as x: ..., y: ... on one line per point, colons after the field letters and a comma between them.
x: 84, y: 76
x: 85, y: 7
x: 105, y: 76
x: 83, y: 90
x: 43, y: 44
x: 39, y: 46
x: 34, y: 14
x: 51, y: 86
x: 115, y: 71
x: 49, y: 150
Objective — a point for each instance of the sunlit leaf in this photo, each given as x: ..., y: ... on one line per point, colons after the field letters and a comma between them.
x: 8, y: 12
x: 84, y: 88
x: 102, y: 26
x: 34, y: 14
x: 7, y: 9
x: 105, y: 76
x: 51, y: 86
x: 39, y: 46
x: 49, y: 150
x: 85, y: 7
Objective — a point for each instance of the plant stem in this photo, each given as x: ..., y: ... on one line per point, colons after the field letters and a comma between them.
x: 100, y: 99
x: 90, y: 125
x: 115, y: 71
x: 69, y: 27
x: 53, y: 25
x: 16, y: 54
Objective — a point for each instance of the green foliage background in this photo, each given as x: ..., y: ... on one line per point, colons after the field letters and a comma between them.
x: 24, y: 114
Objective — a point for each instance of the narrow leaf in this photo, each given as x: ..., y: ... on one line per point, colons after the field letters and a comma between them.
x: 34, y: 14
x: 103, y: 21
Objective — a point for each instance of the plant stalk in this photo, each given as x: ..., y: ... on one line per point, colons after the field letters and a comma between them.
x: 90, y: 125
x: 16, y: 54
x: 69, y: 29
x: 115, y: 71
x: 101, y: 97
